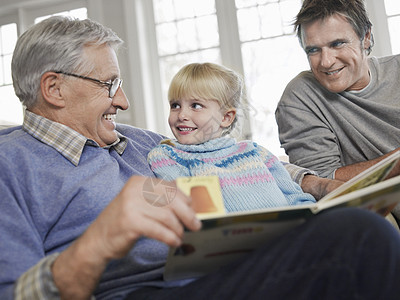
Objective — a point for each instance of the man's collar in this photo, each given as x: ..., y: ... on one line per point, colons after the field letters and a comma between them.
x: 65, y: 140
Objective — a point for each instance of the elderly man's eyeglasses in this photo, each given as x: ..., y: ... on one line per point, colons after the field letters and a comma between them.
x: 112, y: 87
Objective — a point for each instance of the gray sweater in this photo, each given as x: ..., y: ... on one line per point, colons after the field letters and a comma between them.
x: 323, y: 131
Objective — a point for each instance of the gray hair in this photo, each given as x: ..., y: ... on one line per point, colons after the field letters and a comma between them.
x: 55, y: 44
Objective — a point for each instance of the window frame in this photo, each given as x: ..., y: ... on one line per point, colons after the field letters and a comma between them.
x: 140, y: 66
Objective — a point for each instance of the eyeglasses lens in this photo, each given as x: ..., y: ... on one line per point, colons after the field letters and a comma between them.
x: 114, y: 87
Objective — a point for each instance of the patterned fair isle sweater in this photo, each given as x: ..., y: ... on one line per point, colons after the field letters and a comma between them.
x: 250, y: 176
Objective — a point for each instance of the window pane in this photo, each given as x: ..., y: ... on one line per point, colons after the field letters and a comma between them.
x: 167, y: 39
x: 393, y: 11
x: 271, y: 23
x: 245, y: 3
x: 187, y: 37
x: 269, y: 65
x: 204, y: 7
x: 8, y: 38
x: 193, y: 26
x: 289, y: 10
x: 267, y: 1
x: 170, y: 65
x: 394, y: 31
x: 270, y: 60
x: 10, y: 107
x: 249, y: 24
x: 184, y: 9
x: 1, y: 71
x: 392, y: 7
x: 207, y: 30
x: 7, y: 69
x: 80, y: 13
x: 187, y: 31
x: 163, y: 11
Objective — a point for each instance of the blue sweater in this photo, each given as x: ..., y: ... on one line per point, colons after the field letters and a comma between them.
x: 46, y: 203
x: 251, y: 177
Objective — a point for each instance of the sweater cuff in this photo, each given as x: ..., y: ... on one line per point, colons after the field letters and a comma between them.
x: 37, y: 283
x: 297, y: 173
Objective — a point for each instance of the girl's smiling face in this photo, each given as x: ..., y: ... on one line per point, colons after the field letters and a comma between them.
x: 195, y: 121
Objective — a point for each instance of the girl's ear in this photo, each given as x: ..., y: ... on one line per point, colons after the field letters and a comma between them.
x: 50, y: 86
x: 229, y: 117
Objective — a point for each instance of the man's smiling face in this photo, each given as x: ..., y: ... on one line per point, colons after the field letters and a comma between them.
x: 89, y: 110
x: 336, y: 55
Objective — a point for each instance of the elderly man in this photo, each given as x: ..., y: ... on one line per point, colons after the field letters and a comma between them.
x: 74, y: 221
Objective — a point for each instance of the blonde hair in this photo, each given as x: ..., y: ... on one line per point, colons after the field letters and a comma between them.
x: 208, y: 81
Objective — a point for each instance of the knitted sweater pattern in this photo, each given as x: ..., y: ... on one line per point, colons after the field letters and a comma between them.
x: 250, y: 176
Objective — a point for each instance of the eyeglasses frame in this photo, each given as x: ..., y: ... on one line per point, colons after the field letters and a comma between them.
x: 109, y: 85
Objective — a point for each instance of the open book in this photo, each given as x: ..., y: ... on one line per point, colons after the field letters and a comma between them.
x: 225, y: 237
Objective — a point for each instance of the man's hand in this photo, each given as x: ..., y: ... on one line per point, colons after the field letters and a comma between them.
x: 134, y: 213
x: 347, y: 172
x: 159, y: 215
x: 318, y: 186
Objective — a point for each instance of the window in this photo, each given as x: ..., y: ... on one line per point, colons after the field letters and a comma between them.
x: 254, y: 37
x: 10, y: 106
x: 393, y: 13
x: 269, y: 51
x: 187, y: 31
x: 80, y: 13
x: 271, y: 58
x: 270, y: 54
x: 11, y: 110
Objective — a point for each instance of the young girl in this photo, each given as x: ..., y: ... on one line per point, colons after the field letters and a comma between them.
x: 204, y: 99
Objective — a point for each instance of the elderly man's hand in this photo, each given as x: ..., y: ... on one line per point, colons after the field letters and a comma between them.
x: 145, y: 207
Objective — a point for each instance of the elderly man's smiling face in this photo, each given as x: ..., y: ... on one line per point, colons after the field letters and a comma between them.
x: 89, y: 110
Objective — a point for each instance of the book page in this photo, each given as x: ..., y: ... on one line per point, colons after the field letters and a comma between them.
x: 381, y: 197
x: 370, y: 176
x: 225, y: 239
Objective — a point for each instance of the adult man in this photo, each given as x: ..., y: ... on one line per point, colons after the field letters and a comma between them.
x: 342, y: 116
x: 74, y: 220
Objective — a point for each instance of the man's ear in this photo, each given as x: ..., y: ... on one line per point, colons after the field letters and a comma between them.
x: 368, y: 40
x: 50, y: 86
x: 229, y: 117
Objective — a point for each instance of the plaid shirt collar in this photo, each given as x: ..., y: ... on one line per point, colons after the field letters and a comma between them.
x: 64, y: 139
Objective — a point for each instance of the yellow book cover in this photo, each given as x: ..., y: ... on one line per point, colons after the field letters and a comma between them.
x: 206, y: 195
